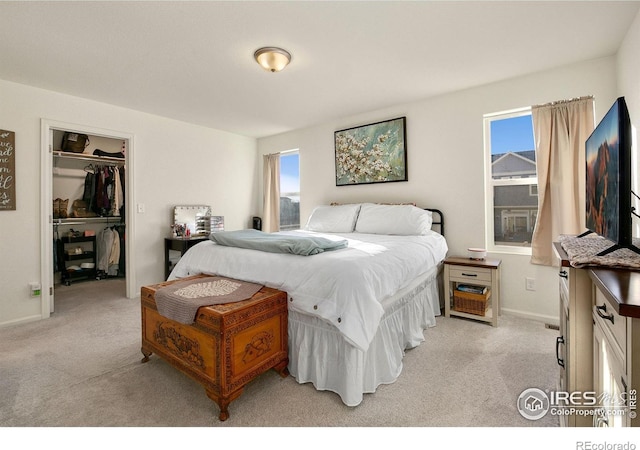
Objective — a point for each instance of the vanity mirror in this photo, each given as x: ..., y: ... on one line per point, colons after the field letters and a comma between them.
x: 197, y: 218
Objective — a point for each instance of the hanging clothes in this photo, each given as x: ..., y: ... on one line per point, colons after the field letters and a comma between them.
x: 114, y: 255
x: 116, y: 198
x: 121, y: 264
x: 108, y: 252
x: 104, y: 242
x: 100, y: 188
x: 59, y: 246
x: 89, y: 193
x: 108, y: 190
x: 104, y: 191
x: 121, y: 171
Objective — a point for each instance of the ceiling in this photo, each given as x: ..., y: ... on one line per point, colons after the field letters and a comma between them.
x: 193, y: 61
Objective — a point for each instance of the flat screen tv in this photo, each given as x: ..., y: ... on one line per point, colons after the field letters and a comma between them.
x: 608, y: 179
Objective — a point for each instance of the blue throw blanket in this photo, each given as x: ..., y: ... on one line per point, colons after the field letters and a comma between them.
x: 277, y: 243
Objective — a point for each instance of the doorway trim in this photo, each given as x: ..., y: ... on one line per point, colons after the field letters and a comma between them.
x: 46, y: 206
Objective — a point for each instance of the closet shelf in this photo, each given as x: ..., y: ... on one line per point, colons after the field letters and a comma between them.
x: 86, y: 220
x: 87, y: 157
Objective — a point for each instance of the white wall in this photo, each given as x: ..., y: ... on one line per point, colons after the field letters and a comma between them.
x: 629, y: 87
x: 445, y: 159
x: 175, y: 163
x: 629, y: 71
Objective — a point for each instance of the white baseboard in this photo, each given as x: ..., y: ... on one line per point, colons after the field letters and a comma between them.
x: 21, y: 321
x: 551, y: 320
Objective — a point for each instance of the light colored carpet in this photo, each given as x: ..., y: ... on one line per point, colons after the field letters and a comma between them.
x: 81, y: 368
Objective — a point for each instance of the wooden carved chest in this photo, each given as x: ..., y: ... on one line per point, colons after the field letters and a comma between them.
x: 226, y: 347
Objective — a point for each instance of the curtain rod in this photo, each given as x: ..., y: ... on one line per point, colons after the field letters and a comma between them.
x: 284, y: 152
x: 562, y: 102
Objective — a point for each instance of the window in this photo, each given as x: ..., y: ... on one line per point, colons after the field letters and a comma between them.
x: 511, y: 181
x: 289, y: 190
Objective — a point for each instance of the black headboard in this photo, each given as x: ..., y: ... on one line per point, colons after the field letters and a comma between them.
x: 438, y: 218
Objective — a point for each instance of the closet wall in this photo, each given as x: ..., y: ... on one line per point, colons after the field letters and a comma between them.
x: 89, y: 223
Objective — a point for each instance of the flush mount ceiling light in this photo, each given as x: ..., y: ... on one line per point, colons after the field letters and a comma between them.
x: 273, y: 59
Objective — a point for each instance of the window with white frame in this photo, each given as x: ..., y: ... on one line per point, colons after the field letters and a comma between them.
x: 511, y: 181
x: 289, y: 190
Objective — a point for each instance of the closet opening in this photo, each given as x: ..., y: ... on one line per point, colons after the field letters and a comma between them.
x: 86, y: 204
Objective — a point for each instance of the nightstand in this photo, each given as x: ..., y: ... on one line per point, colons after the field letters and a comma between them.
x: 480, y: 274
x: 179, y: 244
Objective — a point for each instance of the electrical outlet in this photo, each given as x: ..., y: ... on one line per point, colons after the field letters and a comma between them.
x: 35, y: 289
x: 530, y: 284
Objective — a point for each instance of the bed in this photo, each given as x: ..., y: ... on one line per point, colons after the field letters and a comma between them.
x: 353, y: 311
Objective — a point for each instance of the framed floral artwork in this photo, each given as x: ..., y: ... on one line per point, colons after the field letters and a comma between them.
x: 374, y: 153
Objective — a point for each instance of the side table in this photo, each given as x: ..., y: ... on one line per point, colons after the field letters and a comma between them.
x: 465, y: 271
x: 179, y: 244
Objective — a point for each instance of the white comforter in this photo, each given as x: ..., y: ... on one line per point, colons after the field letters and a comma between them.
x: 344, y: 287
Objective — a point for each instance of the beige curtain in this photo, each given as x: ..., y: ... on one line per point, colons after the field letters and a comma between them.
x: 560, y: 131
x: 271, y: 193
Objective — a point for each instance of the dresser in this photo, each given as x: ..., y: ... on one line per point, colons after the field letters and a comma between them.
x: 574, y: 344
x: 598, y: 347
x: 616, y: 346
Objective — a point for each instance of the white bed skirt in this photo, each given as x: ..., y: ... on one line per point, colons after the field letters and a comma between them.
x: 319, y: 354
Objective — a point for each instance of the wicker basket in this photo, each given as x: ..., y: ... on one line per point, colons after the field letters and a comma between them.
x: 471, y: 303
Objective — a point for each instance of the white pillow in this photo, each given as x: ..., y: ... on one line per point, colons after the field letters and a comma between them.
x: 393, y: 219
x: 333, y: 219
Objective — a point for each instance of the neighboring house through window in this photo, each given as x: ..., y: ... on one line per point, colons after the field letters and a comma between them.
x: 511, y: 181
x: 289, y: 190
